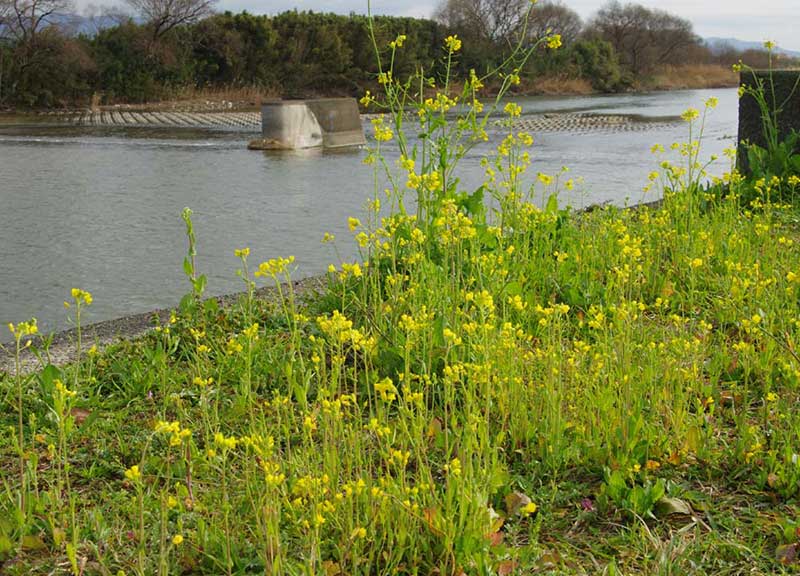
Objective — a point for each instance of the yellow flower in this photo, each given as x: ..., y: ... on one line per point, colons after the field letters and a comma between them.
x: 133, y: 473
x: 367, y: 99
x: 274, y: 266
x: 383, y: 133
x: 554, y: 41
x: 398, y: 42
x: 23, y: 329
x: 358, y: 533
x: 177, y: 540
x: 353, y: 223
x: 690, y: 114
x: 772, y: 397
x: 769, y: 45
x: 81, y: 296
x: 530, y: 508
x: 242, y: 252
x: 712, y: 102
x: 452, y: 43
x: 386, y: 389
x: 513, y: 110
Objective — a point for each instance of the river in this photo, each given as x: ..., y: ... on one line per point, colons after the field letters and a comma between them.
x: 99, y: 208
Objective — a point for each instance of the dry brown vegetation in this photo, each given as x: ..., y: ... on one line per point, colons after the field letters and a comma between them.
x: 693, y: 76
x: 554, y: 85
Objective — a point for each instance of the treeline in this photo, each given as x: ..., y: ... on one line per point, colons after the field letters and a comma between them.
x: 302, y: 54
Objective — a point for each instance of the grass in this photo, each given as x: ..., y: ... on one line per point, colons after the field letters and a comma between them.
x: 495, y: 387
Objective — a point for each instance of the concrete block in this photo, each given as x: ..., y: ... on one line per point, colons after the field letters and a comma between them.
x: 299, y: 124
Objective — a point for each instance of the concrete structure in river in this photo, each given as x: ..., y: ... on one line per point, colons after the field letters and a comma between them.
x: 298, y: 124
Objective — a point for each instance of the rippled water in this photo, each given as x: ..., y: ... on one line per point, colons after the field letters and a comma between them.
x: 100, y: 208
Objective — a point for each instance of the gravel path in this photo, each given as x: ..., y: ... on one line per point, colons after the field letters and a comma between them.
x: 62, y: 349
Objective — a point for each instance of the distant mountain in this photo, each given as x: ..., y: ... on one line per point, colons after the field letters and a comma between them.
x: 716, y: 44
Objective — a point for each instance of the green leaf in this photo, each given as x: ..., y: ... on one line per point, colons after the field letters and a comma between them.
x: 31, y: 542
x: 47, y: 379
x: 552, y: 204
x: 188, y: 269
x: 200, y: 284
x: 667, y: 506
x: 211, y: 306
x: 187, y: 303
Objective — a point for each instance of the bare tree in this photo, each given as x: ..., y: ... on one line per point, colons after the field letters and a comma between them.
x: 164, y: 15
x: 5, y: 15
x: 553, y: 17
x: 24, y: 19
x: 642, y: 37
x: 494, y: 20
x: 5, y: 32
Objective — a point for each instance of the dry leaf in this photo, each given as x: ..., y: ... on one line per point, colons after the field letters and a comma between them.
x: 79, y: 415
x: 506, y: 567
x: 515, y: 502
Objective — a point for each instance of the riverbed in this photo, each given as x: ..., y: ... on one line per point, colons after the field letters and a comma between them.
x: 99, y: 207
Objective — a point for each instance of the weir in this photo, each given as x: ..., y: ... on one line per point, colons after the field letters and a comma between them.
x: 299, y: 124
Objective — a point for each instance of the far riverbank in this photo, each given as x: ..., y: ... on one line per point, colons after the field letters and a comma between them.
x: 249, y: 99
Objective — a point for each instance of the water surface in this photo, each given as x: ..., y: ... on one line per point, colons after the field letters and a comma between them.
x: 100, y: 208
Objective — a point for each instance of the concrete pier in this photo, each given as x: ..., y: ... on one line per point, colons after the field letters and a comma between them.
x: 299, y: 124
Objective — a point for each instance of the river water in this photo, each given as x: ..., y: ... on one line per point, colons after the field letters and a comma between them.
x: 99, y: 208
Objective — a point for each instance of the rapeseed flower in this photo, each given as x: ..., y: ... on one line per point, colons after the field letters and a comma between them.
x: 554, y: 41
x: 452, y: 43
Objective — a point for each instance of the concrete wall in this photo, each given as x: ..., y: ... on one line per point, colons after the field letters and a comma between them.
x: 787, y: 93
x: 298, y: 124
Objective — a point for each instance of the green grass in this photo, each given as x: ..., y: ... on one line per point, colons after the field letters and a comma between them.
x: 495, y: 391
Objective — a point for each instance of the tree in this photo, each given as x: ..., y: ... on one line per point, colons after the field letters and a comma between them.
x: 30, y: 31
x: 643, y: 38
x: 553, y: 17
x: 5, y: 15
x: 598, y: 63
x: 24, y: 19
x: 492, y: 20
x: 164, y: 15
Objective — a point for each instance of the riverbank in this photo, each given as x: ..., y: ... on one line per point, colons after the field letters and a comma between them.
x: 60, y: 348
x: 607, y: 394
x: 249, y: 100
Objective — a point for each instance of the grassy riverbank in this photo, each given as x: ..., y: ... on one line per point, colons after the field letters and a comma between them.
x: 485, y: 392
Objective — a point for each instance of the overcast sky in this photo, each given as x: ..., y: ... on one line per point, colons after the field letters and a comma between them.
x: 754, y: 20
